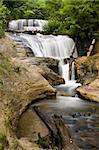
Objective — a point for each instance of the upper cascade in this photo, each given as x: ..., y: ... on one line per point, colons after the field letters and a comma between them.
x: 27, y: 25
x: 58, y: 47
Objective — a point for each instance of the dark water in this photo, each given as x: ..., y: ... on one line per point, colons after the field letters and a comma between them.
x: 81, y: 116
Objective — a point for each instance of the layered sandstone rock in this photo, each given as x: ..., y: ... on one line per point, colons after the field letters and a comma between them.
x: 45, y: 66
x: 88, y: 74
x: 22, y: 81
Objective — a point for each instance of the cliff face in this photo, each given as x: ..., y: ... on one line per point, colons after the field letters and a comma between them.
x: 88, y: 75
x: 22, y: 81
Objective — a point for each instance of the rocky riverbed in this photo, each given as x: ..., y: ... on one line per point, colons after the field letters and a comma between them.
x: 81, y: 116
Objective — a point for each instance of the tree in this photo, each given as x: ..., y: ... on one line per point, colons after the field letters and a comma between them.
x: 26, y: 9
x: 78, y: 19
x: 52, y: 7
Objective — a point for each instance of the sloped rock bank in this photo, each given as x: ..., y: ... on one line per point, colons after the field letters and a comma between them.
x: 21, y: 82
x: 45, y: 66
x: 88, y: 74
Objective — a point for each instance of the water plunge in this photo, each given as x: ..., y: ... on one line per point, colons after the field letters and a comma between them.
x: 57, y: 47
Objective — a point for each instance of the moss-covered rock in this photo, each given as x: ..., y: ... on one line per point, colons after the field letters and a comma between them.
x: 3, y: 141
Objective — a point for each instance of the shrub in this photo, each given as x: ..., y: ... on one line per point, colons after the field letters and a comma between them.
x: 3, y: 14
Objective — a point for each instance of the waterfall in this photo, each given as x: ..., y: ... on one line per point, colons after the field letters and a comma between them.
x: 57, y: 47
x: 73, y: 71
x: 64, y: 70
x: 27, y: 25
x: 67, y: 71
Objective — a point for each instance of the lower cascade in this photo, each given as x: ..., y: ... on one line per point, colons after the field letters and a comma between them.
x: 57, y: 47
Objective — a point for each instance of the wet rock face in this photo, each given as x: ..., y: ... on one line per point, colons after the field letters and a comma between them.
x: 50, y: 63
x: 46, y: 68
x: 88, y: 74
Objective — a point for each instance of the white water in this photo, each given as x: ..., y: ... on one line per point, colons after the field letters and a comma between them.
x: 70, y: 84
x: 27, y: 25
x: 64, y: 70
x: 57, y: 47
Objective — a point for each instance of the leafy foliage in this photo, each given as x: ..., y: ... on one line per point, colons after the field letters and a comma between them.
x: 2, y: 19
x: 75, y: 18
x: 3, y: 14
x: 26, y: 9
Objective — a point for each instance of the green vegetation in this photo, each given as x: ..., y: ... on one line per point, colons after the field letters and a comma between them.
x: 26, y: 9
x: 14, y: 144
x: 76, y: 18
x: 3, y: 141
x: 3, y: 10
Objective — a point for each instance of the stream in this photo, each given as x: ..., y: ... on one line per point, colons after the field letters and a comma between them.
x: 81, y: 116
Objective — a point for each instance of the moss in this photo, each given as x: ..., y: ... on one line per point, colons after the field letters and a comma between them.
x: 14, y: 144
x: 3, y: 141
x: 1, y: 146
x: 43, y: 142
x: 2, y: 138
x: 5, y: 65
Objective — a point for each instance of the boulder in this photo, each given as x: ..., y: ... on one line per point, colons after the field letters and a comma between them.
x: 88, y: 74
x: 46, y: 67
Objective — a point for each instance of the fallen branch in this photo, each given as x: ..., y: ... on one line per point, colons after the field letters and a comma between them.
x: 59, y: 131
x: 91, y: 47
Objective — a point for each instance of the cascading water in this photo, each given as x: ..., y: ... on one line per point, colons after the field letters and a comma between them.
x: 73, y: 71
x: 27, y: 25
x: 57, y: 47
x: 64, y: 70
